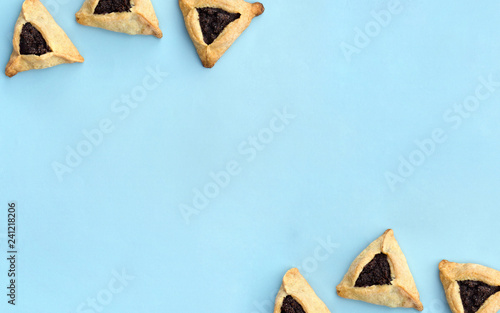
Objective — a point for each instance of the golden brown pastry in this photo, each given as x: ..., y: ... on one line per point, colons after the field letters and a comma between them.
x: 295, y: 295
x: 38, y: 41
x: 380, y: 275
x: 470, y: 288
x: 214, y: 25
x: 134, y: 17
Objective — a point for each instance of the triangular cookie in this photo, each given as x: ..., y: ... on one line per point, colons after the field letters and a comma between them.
x: 214, y: 25
x: 296, y: 296
x: 134, y: 17
x: 38, y: 41
x: 380, y: 275
x: 470, y: 288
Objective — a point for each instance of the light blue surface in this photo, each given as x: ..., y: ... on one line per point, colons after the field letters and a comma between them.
x: 322, y: 177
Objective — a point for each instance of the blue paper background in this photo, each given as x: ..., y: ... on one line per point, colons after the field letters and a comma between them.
x: 323, y: 177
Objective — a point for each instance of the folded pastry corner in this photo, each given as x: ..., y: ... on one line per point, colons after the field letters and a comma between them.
x: 380, y: 275
x: 470, y: 288
x: 133, y: 17
x: 38, y: 41
x: 214, y: 25
x: 297, y: 296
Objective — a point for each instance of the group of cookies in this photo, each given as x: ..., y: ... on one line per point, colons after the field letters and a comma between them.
x: 213, y: 26
x: 380, y: 275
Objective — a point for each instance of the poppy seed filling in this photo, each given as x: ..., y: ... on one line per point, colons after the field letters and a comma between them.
x: 376, y: 272
x: 112, y: 6
x: 290, y: 305
x: 475, y: 293
x: 32, y: 41
x: 213, y: 21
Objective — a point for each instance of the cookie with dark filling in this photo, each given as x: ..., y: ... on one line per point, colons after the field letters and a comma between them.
x: 133, y: 17
x: 297, y: 296
x: 38, y: 41
x: 380, y: 275
x: 214, y: 25
x: 470, y: 288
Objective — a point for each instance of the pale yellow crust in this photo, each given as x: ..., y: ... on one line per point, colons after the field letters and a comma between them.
x: 210, y: 54
x: 63, y: 50
x: 450, y: 273
x: 401, y: 293
x: 295, y: 285
x: 141, y: 20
